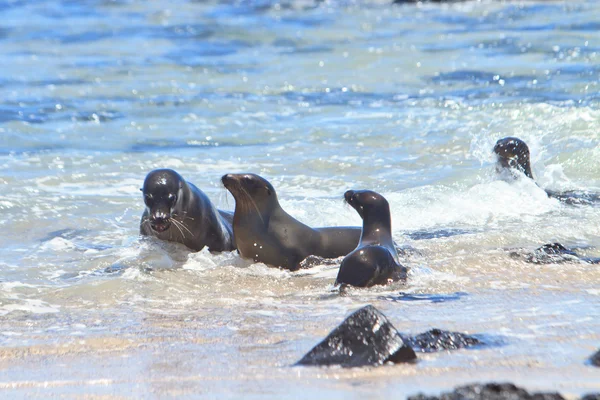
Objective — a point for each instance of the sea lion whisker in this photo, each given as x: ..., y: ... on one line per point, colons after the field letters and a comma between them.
x: 181, y: 224
x: 169, y: 198
x: 253, y: 203
x: 176, y: 223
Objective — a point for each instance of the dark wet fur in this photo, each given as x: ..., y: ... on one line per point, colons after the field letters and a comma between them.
x: 266, y: 233
x: 375, y: 259
x: 513, y: 155
x: 178, y: 211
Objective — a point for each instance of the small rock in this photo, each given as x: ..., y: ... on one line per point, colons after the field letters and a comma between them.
x: 365, y: 338
x: 437, y: 339
x: 489, y: 391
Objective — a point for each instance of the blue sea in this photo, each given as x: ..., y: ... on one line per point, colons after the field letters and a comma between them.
x: 318, y: 97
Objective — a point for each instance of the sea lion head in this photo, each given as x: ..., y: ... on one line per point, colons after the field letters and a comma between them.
x: 513, y: 154
x: 365, y: 202
x: 162, y: 189
x: 252, y: 193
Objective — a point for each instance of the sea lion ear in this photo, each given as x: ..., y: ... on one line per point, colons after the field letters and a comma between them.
x: 141, y: 189
x: 268, y: 192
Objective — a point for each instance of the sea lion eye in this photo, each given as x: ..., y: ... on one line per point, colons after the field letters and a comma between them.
x: 172, y: 198
x: 148, y: 199
x: 513, y: 162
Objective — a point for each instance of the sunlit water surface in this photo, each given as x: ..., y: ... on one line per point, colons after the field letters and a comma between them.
x: 318, y: 98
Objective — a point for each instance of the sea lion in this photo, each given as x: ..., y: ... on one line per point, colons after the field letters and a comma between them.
x: 178, y: 211
x: 513, y: 156
x: 375, y: 259
x: 265, y: 233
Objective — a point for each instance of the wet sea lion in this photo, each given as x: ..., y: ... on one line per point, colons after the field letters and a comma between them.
x: 375, y: 260
x: 178, y: 211
x: 513, y: 155
x: 265, y: 233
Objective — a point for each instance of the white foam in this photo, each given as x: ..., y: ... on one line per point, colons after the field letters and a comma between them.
x: 58, y: 244
x: 30, y: 305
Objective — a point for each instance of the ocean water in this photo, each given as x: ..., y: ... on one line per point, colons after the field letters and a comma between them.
x: 317, y: 97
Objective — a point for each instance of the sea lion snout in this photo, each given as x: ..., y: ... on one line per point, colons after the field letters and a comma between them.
x: 349, y: 196
x: 160, y: 221
x: 227, y: 179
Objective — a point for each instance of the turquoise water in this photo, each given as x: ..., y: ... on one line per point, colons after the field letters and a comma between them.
x: 318, y: 97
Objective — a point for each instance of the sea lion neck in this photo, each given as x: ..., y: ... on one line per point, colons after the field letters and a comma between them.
x: 376, y: 223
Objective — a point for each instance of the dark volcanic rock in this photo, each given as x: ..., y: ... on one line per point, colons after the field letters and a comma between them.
x: 595, y: 359
x: 591, y: 396
x: 556, y: 253
x: 489, y: 391
x: 551, y: 254
x: 366, y: 337
x: 437, y: 339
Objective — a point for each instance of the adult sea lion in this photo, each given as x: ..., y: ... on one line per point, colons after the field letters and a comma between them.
x: 178, y: 211
x: 513, y: 155
x: 265, y: 233
x: 375, y: 260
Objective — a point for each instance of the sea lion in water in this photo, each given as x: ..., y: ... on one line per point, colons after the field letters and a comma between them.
x: 375, y: 260
x: 513, y: 155
x: 178, y: 211
x: 265, y: 233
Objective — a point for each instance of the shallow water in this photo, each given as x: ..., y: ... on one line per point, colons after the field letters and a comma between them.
x: 318, y: 98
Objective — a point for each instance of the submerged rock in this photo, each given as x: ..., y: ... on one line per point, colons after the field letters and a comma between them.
x: 437, y: 339
x: 489, y: 391
x: 552, y: 253
x: 365, y: 338
x: 595, y: 359
x: 591, y: 396
x: 555, y: 253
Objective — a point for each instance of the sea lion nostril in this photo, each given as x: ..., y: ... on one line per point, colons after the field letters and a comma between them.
x: 225, y: 179
x: 348, y: 195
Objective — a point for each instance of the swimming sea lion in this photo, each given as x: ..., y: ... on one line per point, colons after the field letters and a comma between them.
x: 265, y: 233
x: 178, y: 211
x: 375, y: 260
x: 513, y: 155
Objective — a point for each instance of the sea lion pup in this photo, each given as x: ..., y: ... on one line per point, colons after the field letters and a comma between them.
x: 375, y: 260
x: 265, y: 233
x: 177, y: 211
x: 513, y: 155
